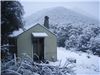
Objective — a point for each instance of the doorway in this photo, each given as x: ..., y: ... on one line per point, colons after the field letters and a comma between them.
x: 38, y: 48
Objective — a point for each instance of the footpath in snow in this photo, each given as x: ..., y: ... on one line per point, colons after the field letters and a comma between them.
x: 86, y: 64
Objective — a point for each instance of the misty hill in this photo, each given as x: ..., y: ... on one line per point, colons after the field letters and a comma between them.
x: 59, y: 15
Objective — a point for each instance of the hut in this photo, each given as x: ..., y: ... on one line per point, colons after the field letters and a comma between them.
x: 38, y: 41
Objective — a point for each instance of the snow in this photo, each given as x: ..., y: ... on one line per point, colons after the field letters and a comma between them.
x: 40, y: 34
x: 86, y: 64
x: 16, y: 33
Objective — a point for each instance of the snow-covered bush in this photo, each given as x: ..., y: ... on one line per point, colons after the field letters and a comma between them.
x: 5, y: 54
x: 26, y: 66
x: 77, y: 36
x: 68, y: 67
x: 89, y: 39
x: 95, y: 45
x: 63, y: 34
x: 72, y: 42
x: 10, y: 72
x: 83, y: 42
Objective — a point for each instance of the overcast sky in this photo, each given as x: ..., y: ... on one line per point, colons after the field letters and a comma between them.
x: 87, y: 7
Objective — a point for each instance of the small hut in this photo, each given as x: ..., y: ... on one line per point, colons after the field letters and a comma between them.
x: 38, y: 41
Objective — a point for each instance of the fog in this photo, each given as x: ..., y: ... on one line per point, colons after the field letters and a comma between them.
x: 89, y: 8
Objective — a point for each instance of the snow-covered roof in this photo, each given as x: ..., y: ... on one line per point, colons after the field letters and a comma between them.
x: 39, y: 34
x: 16, y: 33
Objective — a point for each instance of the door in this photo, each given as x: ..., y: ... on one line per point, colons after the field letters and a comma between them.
x: 38, y: 48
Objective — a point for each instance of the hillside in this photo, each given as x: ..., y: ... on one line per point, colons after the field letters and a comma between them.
x: 58, y: 15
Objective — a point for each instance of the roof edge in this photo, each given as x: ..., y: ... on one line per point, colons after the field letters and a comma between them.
x: 33, y: 27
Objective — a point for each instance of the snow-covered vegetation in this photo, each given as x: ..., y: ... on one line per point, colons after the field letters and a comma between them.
x: 25, y: 66
x: 81, y: 38
x: 68, y: 63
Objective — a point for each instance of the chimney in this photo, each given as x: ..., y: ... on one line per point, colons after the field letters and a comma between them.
x: 46, y: 22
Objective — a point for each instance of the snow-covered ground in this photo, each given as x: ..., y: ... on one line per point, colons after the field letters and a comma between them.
x: 86, y: 64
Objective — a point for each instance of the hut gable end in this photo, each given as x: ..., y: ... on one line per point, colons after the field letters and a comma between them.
x: 33, y: 27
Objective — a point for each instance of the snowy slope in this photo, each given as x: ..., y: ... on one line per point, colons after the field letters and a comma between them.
x: 58, y: 15
x: 84, y: 65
